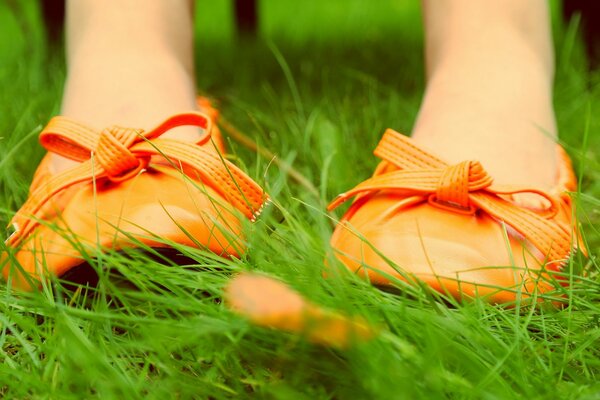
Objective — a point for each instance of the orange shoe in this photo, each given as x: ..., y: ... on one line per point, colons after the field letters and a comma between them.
x: 452, y: 228
x: 130, y: 186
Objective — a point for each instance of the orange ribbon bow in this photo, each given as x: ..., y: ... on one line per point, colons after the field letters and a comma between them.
x: 464, y: 188
x: 118, y: 154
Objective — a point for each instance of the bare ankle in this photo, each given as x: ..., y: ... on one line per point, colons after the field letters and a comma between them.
x: 135, y: 74
x: 133, y: 25
x: 489, y: 91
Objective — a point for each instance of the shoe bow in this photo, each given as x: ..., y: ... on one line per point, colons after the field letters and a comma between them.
x: 117, y: 154
x: 465, y: 188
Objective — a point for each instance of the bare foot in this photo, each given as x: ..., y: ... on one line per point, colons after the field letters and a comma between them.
x: 127, y: 67
x: 489, y: 92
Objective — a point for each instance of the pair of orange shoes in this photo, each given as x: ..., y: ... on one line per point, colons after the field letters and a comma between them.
x: 416, y: 219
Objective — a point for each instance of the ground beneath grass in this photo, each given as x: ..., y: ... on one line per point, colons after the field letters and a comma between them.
x: 318, y: 88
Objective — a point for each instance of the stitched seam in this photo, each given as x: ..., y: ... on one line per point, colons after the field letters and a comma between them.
x: 402, y: 143
x: 407, y: 156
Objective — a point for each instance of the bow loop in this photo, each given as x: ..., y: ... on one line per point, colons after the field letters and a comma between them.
x: 69, y: 139
x: 464, y: 188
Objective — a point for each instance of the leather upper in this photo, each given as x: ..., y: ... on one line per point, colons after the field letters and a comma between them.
x: 129, y: 184
x: 451, y: 226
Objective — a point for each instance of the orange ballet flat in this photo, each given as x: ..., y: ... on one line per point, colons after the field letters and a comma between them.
x: 420, y: 219
x: 130, y: 187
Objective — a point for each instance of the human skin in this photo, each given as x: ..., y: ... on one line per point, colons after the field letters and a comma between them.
x: 489, y: 88
x: 129, y: 63
x: 489, y: 77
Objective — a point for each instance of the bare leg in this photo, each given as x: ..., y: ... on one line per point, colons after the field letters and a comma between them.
x: 130, y: 62
x: 489, y: 90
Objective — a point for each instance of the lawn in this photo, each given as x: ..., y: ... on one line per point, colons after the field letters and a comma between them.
x: 317, y: 88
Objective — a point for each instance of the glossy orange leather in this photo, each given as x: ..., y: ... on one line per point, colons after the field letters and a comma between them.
x: 130, y: 186
x: 451, y: 227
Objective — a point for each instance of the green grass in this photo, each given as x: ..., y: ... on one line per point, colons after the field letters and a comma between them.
x: 318, y: 89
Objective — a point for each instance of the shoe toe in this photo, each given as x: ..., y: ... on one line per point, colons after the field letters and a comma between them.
x: 153, y: 209
x: 462, y: 255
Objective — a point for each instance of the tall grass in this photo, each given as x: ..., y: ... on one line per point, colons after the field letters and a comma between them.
x: 318, y: 87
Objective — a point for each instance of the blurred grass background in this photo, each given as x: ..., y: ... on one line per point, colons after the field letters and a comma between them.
x: 318, y: 87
